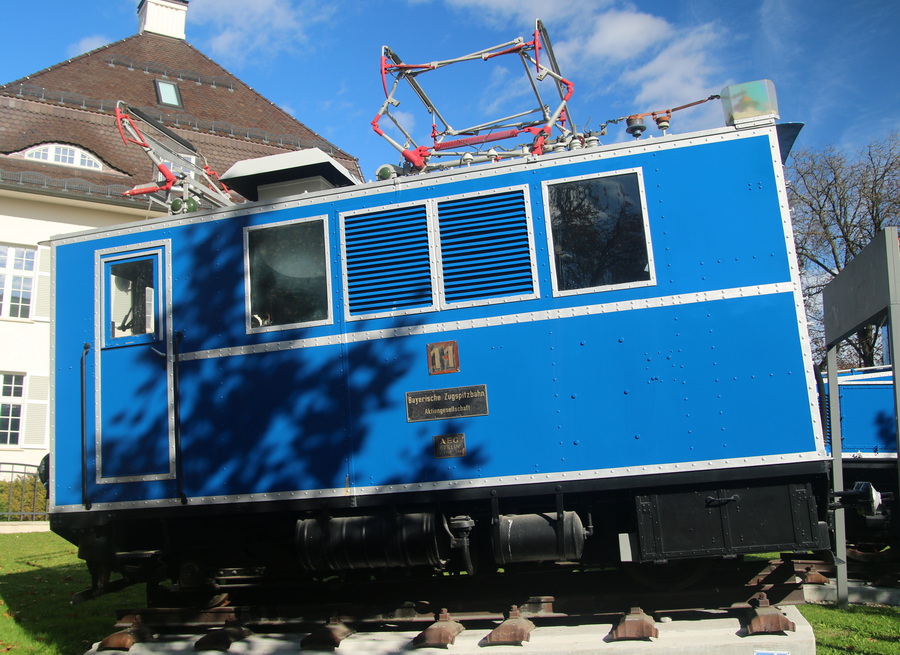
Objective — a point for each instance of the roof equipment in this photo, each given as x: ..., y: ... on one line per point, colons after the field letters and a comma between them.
x: 467, y: 145
x: 185, y: 182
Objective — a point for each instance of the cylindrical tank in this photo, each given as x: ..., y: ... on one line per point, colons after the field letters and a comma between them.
x: 368, y: 542
x: 534, y: 538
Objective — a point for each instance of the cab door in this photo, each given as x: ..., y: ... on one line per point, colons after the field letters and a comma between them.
x: 135, y: 413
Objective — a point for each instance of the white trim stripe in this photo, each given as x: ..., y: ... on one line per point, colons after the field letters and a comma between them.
x: 470, y: 483
x: 526, y: 317
x: 799, y: 304
x: 398, y: 184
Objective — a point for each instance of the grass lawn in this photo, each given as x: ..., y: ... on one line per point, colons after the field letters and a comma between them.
x: 39, y: 572
x: 859, y: 629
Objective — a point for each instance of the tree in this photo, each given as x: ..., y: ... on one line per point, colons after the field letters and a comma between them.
x: 838, y: 204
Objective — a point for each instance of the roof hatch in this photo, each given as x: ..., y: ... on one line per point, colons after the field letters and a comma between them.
x: 278, y: 176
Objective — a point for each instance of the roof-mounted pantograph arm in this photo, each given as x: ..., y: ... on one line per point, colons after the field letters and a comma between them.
x: 538, y: 122
x: 193, y: 182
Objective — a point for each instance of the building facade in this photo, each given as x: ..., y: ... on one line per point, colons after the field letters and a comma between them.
x: 64, y: 168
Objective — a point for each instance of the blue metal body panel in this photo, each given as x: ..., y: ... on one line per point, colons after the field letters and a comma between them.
x: 703, y: 367
x: 868, y: 421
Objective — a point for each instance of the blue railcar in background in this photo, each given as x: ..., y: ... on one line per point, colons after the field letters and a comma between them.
x: 590, y: 356
x: 868, y: 425
x: 869, y: 455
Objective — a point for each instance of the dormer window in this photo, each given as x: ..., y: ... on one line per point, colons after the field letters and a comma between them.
x: 64, y: 155
x: 167, y: 93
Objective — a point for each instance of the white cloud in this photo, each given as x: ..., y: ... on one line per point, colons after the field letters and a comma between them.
x: 238, y: 30
x: 613, y: 50
x: 779, y: 27
x: 619, y: 35
x: 679, y: 73
x: 524, y: 12
x: 504, y: 88
x: 87, y: 44
x: 406, y: 119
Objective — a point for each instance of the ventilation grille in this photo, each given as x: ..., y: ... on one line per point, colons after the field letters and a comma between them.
x: 35, y: 432
x: 484, y: 247
x: 387, y: 261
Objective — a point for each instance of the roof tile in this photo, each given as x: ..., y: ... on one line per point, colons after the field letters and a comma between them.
x: 73, y: 102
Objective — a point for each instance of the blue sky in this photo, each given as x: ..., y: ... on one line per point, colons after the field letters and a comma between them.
x: 834, y: 62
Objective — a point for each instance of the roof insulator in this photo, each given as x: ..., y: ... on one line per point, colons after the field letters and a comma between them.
x: 635, y: 126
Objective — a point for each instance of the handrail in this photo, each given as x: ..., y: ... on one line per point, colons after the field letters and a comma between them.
x: 85, y: 500
x: 176, y: 411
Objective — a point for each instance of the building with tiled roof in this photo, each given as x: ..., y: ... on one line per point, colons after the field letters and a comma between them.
x: 64, y: 168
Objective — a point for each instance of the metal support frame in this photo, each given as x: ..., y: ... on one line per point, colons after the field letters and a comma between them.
x: 537, y: 123
x: 866, y: 292
x: 837, y: 476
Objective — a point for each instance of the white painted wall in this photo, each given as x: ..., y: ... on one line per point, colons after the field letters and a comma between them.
x: 166, y: 17
x: 27, y: 219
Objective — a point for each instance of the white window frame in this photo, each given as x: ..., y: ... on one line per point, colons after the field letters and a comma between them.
x: 12, y: 401
x: 645, y: 217
x: 10, y: 273
x: 60, y: 154
x: 248, y: 310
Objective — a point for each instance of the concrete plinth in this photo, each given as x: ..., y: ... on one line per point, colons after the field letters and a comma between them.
x: 14, y: 527
x: 704, y: 633
x: 857, y: 592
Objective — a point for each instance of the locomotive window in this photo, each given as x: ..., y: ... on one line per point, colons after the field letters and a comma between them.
x: 131, y: 301
x: 288, y: 275
x: 599, y: 233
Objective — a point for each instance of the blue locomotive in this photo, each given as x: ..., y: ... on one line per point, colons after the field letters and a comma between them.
x: 588, y: 356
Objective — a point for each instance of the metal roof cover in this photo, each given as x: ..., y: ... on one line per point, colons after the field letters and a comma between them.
x: 250, y: 177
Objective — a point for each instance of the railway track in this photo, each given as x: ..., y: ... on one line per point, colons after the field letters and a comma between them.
x: 505, y: 607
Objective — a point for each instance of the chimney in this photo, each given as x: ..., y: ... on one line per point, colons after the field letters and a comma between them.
x: 166, y: 17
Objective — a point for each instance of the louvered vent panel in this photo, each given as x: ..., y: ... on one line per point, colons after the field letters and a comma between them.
x: 42, y: 291
x: 35, y: 432
x: 484, y: 247
x: 38, y: 387
x: 387, y: 261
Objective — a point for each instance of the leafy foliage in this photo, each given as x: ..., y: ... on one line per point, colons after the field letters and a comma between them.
x: 23, y: 499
